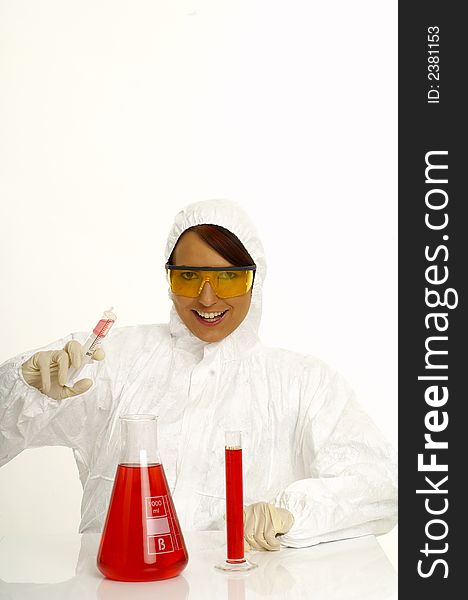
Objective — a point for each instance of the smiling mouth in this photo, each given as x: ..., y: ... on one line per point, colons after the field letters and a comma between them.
x: 209, y: 318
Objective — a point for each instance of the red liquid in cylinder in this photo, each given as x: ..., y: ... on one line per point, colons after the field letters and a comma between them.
x: 234, y: 505
x: 141, y: 540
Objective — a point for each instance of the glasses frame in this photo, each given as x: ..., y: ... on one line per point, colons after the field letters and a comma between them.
x: 186, y: 268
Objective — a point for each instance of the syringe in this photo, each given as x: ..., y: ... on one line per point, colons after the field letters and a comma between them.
x: 93, y: 342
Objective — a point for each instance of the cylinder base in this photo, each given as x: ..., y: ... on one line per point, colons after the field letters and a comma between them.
x: 241, y: 566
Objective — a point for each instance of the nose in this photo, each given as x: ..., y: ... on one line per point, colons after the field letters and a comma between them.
x: 207, y: 296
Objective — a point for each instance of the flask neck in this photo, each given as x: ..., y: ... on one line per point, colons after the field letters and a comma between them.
x: 139, y: 440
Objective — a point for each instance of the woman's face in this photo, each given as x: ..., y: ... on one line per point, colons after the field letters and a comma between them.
x: 192, y: 251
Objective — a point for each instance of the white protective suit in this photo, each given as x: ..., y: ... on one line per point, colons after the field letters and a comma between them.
x: 308, y: 446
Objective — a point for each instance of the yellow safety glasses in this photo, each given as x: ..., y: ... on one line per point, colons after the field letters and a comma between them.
x: 226, y: 283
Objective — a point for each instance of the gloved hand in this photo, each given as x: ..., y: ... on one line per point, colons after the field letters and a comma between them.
x: 48, y: 370
x: 263, y: 522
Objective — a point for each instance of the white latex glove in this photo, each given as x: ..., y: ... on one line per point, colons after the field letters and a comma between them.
x: 48, y: 370
x: 263, y: 522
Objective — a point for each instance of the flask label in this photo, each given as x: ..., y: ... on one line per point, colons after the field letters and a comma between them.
x: 161, y: 537
x: 155, y: 506
x: 160, y: 544
x: 157, y: 526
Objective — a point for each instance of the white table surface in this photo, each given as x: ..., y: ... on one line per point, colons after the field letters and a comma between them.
x: 53, y: 567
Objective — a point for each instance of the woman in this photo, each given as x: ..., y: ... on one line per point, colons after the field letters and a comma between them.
x: 315, y: 467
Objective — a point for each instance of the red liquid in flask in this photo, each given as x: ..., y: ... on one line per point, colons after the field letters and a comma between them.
x: 234, y: 505
x: 141, y: 540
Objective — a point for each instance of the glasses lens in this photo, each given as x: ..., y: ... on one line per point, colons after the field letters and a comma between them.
x: 185, y: 283
x: 225, y: 284
x: 233, y: 283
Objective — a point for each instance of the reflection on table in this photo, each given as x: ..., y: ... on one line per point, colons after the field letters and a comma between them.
x: 54, y: 567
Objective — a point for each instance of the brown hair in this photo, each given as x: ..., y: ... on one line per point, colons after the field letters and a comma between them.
x: 223, y: 241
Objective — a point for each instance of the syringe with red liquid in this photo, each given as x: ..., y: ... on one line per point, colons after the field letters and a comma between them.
x: 236, y: 560
x: 94, y: 340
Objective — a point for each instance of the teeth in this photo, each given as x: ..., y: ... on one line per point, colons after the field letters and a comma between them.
x: 211, y: 315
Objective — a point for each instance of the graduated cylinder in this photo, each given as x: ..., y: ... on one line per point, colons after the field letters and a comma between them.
x: 234, y: 497
x: 234, y: 506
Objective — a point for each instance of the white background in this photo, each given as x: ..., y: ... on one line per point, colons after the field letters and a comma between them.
x: 115, y: 114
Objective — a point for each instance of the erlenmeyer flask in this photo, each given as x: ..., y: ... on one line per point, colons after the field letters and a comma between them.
x: 141, y: 539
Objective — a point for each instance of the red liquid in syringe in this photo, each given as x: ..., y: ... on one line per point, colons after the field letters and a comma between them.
x: 234, y: 505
